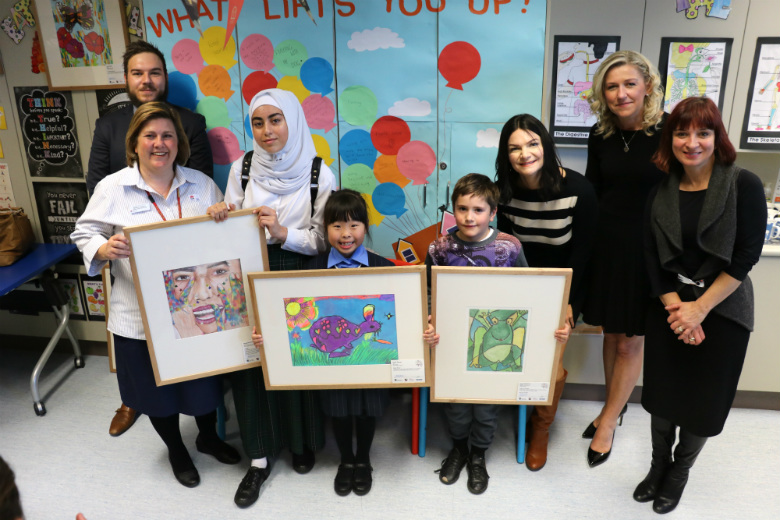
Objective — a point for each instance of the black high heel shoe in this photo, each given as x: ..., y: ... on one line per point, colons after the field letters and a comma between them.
x: 596, y: 458
x: 590, y: 431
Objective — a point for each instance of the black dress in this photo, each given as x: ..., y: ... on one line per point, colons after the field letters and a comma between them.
x: 693, y: 386
x: 362, y: 401
x: 617, y: 289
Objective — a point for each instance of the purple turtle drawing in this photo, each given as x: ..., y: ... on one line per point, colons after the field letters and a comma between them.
x: 333, y: 335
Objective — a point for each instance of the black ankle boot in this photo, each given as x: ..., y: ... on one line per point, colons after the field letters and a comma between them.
x: 674, y: 483
x: 662, y: 434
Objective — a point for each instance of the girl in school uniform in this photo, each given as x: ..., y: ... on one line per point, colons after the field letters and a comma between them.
x: 346, y: 222
x: 280, y: 186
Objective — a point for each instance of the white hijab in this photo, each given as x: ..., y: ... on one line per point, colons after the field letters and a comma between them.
x: 286, y: 171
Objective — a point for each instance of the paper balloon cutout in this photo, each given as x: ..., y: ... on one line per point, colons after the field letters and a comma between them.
x: 319, y: 112
x: 224, y: 145
x: 289, y: 56
x: 256, y: 82
x: 182, y: 90
x: 416, y: 160
x: 374, y: 217
x: 459, y: 63
x: 323, y: 148
x: 388, y: 199
x: 355, y: 147
x: 386, y: 170
x: 317, y: 75
x: 214, y: 80
x: 358, y: 105
x: 257, y: 52
x: 186, y: 56
x: 358, y: 177
x: 389, y: 134
x: 294, y: 85
x: 215, y: 111
x: 213, y: 48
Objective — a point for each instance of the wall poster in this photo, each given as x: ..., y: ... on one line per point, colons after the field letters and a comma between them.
x: 761, y: 125
x: 49, y: 132
x: 576, y: 60
x: 60, y: 204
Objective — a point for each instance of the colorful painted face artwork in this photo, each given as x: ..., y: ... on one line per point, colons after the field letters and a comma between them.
x: 82, y: 32
x: 496, y: 339
x: 206, y: 298
x: 342, y: 330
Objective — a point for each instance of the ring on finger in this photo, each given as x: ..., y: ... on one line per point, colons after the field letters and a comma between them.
x: 692, y: 339
x: 680, y: 328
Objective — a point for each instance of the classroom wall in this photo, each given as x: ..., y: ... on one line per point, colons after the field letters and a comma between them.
x: 640, y: 23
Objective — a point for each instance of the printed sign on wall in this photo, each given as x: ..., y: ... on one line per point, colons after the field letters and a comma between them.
x: 60, y: 204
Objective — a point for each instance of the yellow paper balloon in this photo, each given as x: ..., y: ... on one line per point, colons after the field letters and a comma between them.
x: 212, y: 50
x: 374, y: 217
x: 323, y: 148
x: 293, y: 84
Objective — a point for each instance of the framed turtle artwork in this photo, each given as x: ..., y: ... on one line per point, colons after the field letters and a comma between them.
x: 342, y: 328
x: 497, y: 344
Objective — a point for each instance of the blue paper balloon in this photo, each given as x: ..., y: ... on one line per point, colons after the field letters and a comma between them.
x: 182, y: 90
x: 356, y: 147
x: 317, y: 75
x: 389, y: 199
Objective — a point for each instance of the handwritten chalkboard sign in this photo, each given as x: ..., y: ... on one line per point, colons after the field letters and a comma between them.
x: 48, y: 128
x: 60, y: 204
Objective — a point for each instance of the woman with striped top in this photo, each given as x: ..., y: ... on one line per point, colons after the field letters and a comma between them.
x: 552, y: 210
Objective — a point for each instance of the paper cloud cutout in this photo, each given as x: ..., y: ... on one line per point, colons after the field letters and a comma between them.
x: 373, y: 39
x: 410, y: 107
x: 488, y: 138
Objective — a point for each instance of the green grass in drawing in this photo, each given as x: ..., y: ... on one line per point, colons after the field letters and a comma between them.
x: 496, y: 339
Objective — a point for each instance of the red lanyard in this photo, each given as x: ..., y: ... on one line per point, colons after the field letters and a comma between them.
x: 151, y: 199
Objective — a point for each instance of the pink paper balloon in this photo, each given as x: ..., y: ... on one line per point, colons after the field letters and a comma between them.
x: 416, y: 161
x: 319, y: 112
x: 224, y: 145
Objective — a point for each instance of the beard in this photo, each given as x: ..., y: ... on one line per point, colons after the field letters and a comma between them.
x: 162, y: 95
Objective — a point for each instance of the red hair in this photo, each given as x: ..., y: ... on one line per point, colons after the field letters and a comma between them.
x: 694, y: 112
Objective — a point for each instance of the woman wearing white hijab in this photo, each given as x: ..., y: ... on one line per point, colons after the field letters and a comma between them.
x: 279, y: 188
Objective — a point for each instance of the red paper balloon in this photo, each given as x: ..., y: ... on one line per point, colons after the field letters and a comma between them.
x: 256, y: 82
x: 459, y: 63
x: 389, y: 134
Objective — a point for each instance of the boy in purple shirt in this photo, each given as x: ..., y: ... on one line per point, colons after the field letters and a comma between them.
x: 475, y: 243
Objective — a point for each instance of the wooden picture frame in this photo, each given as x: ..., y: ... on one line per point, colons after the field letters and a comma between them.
x: 82, y: 42
x: 467, y: 303
x: 106, y: 274
x: 191, y: 283
x: 389, y: 302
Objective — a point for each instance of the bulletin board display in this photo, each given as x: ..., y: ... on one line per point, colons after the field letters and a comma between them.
x: 386, y: 87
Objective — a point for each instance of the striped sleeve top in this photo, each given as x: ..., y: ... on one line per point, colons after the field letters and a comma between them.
x: 558, y: 232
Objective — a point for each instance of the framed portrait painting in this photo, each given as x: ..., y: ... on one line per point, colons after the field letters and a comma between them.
x: 83, y: 42
x: 191, y: 283
x: 342, y: 328
x: 497, y: 344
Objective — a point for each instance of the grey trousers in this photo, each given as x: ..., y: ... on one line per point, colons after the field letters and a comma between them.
x: 477, y: 422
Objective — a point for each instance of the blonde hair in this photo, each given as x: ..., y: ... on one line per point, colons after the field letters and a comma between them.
x: 147, y: 112
x: 652, y: 112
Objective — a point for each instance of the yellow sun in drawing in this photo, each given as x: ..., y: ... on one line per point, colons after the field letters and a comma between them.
x: 300, y: 312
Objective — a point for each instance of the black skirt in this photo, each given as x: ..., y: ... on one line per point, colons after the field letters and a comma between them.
x: 140, y: 392
x: 618, y: 289
x: 693, y: 386
x: 341, y: 403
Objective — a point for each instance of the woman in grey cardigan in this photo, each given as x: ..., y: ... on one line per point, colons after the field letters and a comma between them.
x: 704, y: 232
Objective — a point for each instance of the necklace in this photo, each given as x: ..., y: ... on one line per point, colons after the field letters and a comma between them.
x: 625, y: 144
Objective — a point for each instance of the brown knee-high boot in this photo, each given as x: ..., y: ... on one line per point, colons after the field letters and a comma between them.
x: 541, y: 419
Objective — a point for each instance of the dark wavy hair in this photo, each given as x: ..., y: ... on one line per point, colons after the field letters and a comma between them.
x: 551, y: 179
x: 345, y: 205
x: 694, y: 112
x: 10, y: 505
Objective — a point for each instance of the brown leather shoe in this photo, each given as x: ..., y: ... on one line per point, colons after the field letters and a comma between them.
x: 122, y: 421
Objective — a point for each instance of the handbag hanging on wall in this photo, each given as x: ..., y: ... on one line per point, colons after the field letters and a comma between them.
x: 16, y: 235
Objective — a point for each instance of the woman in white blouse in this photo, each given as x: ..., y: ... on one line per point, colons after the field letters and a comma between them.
x: 154, y: 187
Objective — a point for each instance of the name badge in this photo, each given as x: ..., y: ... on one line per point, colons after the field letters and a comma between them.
x: 140, y: 208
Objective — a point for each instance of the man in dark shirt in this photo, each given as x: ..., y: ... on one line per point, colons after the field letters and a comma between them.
x: 147, y: 80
